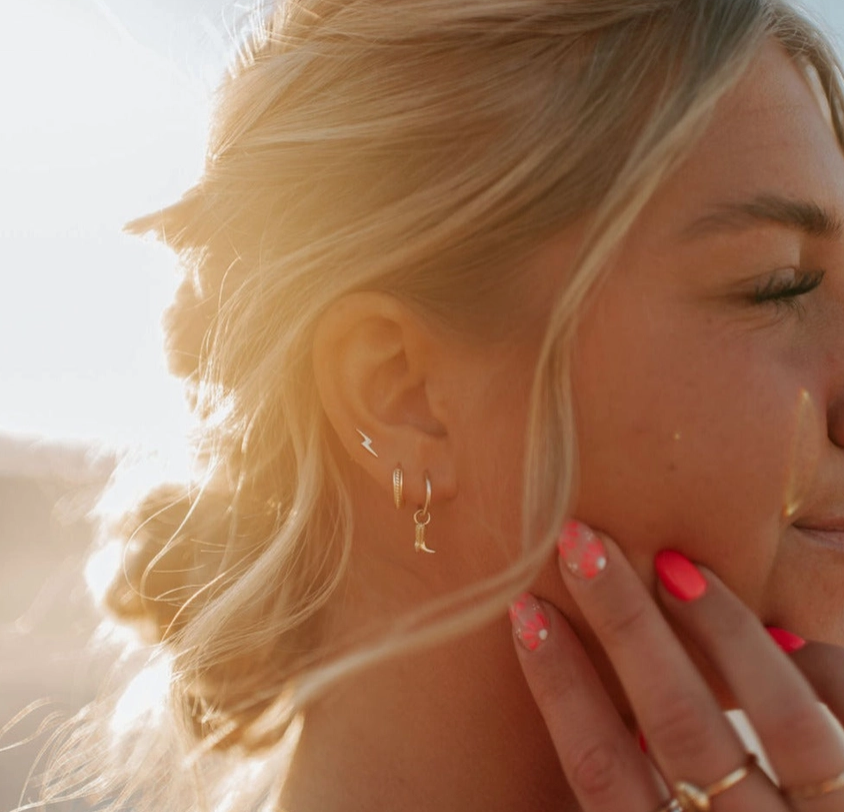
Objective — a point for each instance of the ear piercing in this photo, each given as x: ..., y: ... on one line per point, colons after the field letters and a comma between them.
x: 423, y: 519
x: 398, y: 487
x: 367, y: 443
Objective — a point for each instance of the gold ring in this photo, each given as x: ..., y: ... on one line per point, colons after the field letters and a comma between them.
x: 809, y: 791
x: 690, y: 798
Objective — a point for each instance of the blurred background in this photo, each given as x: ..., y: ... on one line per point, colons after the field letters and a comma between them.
x: 105, y: 110
x: 104, y: 118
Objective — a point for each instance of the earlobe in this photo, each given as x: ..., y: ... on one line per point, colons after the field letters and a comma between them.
x: 375, y: 367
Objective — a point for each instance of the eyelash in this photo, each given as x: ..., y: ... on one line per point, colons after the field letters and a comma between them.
x: 786, y: 293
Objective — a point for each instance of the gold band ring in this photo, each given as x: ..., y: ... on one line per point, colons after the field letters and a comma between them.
x: 690, y: 798
x: 809, y: 791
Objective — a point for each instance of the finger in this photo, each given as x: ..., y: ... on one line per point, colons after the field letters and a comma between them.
x: 599, y: 756
x: 800, y: 741
x: 684, y: 724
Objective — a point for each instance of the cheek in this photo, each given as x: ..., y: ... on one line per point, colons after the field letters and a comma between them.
x: 692, y: 444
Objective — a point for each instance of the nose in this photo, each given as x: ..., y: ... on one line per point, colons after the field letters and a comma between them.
x: 835, y: 355
x: 835, y: 419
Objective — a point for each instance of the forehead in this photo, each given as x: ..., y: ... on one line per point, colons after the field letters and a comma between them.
x: 771, y: 135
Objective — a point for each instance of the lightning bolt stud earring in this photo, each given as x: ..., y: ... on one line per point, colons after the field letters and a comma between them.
x: 367, y: 443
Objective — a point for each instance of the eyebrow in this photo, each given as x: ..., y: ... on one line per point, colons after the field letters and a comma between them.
x: 799, y: 215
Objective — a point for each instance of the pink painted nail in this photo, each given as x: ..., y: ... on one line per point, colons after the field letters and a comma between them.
x: 787, y: 641
x: 530, y: 623
x: 581, y: 550
x: 680, y: 577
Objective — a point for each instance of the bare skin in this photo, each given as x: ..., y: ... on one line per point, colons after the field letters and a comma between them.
x: 711, y: 420
x: 689, y: 739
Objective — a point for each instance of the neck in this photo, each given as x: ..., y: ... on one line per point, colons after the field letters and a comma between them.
x: 452, y: 728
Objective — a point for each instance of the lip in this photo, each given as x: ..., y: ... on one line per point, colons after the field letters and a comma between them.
x: 827, y: 534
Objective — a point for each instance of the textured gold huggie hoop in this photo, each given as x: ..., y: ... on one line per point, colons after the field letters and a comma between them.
x: 398, y: 487
x: 422, y: 519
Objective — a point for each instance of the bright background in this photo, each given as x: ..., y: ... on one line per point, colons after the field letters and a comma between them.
x: 104, y: 110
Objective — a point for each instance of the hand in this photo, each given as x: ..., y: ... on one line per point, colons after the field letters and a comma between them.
x: 689, y: 738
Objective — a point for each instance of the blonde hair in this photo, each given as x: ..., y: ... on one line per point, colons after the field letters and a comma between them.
x: 422, y: 148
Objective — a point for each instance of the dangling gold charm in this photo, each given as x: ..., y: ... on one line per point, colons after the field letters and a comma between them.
x: 421, y: 523
x: 422, y: 519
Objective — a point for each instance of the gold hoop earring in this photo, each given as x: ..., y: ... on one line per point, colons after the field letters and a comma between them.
x: 423, y: 519
x: 398, y: 487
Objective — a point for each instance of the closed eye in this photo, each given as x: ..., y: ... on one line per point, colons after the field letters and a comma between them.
x: 785, y: 289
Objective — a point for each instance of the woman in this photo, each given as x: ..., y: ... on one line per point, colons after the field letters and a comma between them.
x: 456, y: 273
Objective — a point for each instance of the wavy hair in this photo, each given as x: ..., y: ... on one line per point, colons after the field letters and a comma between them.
x: 422, y: 148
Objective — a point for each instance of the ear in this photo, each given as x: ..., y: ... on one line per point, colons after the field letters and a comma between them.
x: 379, y: 371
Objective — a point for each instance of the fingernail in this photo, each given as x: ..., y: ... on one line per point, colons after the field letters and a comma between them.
x: 787, y: 641
x: 530, y: 623
x: 581, y: 550
x: 680, y: 577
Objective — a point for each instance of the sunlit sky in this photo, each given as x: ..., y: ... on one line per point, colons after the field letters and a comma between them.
x: 104, y: 110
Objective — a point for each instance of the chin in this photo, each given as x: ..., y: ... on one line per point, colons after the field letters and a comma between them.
x: 826, y: 626
x: 832, y: 633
